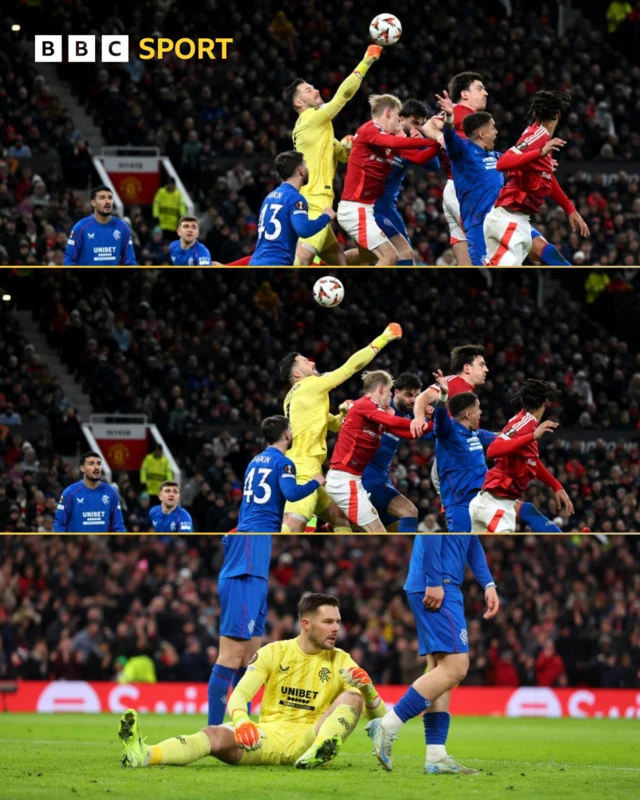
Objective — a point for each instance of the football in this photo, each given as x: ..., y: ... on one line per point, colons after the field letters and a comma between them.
x: 385, y: 29
x: 328, y: 292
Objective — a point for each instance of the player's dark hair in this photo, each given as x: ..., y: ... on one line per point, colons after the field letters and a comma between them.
x: 463, y: 355
x: 101, y: 188
x: 407, y: 380
x: 188, y: 219
x: 164, y: 484
x: 89, y: 454
x: 547, y: 105
x: 311, y: 602
x: 287, y: 163
x: 273, y: 428
x: 286, y: 366
x: 461, y: 402
x: 290, y: 92
x: 533, y: 394
x: 414, y: 108
x: 473, y: 122
x: 462, y: 83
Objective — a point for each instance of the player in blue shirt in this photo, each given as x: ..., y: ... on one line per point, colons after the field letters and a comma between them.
x: 478, y: 181
x: 385, y: 209
x: 391, y: 504
x: 270, y: 480
x: 100, y: 240
x: 89, y: 506
x: 187, y: 251
x: 433, y: 587
x: 169, y: 517
x: 460, y: 444
x: 243, y: 585
x: 284, y: 215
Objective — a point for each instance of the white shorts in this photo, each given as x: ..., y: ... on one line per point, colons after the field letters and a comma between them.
x: 435, y: 478
x: 358, y: 220
x: 507, y: 235
x: 348, y: 493
x: 451, y: 208
x: 491, y: 514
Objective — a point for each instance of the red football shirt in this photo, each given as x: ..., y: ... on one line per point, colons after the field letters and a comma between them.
x: 361, y: 432
x: 371, y: 161
x: 456, y: 385
x: 530, y: 179
x: 459, y: 113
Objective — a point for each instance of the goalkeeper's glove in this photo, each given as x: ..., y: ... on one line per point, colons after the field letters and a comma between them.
x: 374, y: 51
x: 347, y: 142
x: 359, y: 679
x: 246, y: 733
x: 343, y: 408
x: 391, y: 332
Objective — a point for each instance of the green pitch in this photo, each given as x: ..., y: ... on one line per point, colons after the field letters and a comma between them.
x: 46, y: 757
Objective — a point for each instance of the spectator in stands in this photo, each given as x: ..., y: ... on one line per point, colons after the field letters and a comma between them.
x: 154, y: 471
x: 549, y: 665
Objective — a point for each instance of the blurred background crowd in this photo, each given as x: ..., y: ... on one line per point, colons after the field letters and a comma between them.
x: 222, y: 122
x: 97, y: 608
x: 197, y: 353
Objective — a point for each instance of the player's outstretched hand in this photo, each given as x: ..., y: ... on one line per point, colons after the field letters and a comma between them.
x: 441, y: 381
x: 578, y: 225
x: 356, y: 677
x: 330, y: 212
x: 493, y: 602
x: 320, y: 478
x: 343, y: 408
x: 564, y: 501
x: 347, y: 142
x: 552, y: 144
x: 417, y: 426
x: 374, y: 51
x: 248, y: 736
x: 433, y: 597
x: 544, y: 427
x: 392, y: 332
x: 445, y: 102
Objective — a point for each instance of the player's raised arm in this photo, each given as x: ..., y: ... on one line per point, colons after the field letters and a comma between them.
x: 504, y: 444
x: 515, y: 157
x: 359, y: 360
x: 347, y: 88
x: 442, y: 421
x: 357, y: 678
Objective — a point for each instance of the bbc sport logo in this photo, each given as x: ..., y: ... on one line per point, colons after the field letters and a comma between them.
x: 115, y: 48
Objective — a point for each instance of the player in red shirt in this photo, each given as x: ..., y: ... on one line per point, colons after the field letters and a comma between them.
x: 498, y: 505
x: 357, y: 442
x: 507, y: 227
x: 469, y: 95
x: 369, y: 165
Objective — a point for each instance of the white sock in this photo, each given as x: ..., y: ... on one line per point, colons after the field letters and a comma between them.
x: 391, y: 722
x: 436, y: 752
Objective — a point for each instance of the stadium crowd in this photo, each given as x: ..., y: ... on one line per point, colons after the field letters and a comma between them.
x: 197, y: 353
x: 80, y: 607
x: 223, y: 123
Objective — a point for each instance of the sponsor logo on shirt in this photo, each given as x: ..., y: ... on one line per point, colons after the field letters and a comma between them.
x: 283, y: 669
x: 81, y: 500
x: 91, y: 236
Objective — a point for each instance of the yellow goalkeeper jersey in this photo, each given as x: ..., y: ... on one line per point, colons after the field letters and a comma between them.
x: 297, y: 687
x: 307, y: 407
x: 313, y: 136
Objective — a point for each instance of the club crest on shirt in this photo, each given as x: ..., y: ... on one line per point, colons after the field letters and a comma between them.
x: 116, y: 235
x: 463, y: 636
x: 324, y: 675
x: 105, y: 499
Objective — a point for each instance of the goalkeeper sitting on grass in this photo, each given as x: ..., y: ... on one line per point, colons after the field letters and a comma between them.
x: 313, y: 697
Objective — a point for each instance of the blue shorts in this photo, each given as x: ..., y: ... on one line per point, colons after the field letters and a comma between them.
x: 381, y: 493
x: 476, y: 244
x: 458, y: 518
x: 444, y: 630
x: 243, y: 606
x: 390, y: 221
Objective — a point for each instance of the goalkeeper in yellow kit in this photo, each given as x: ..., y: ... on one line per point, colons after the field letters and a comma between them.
x: 307, y: 409
x: 313, y: 136
x: 313, y: 697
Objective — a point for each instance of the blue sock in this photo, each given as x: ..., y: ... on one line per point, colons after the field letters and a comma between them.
x: 236, y: 679
x: 219, y: 682
x: 411, y: 704
x: 404, y: 262
x: 436, y: 727
x: 408, y: 525
x: 552, y: 257
x: 538, y: 523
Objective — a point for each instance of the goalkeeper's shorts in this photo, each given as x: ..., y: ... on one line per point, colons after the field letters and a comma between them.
x: 285, y: 743
x: 315, y: 503
x: 325, y: 238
